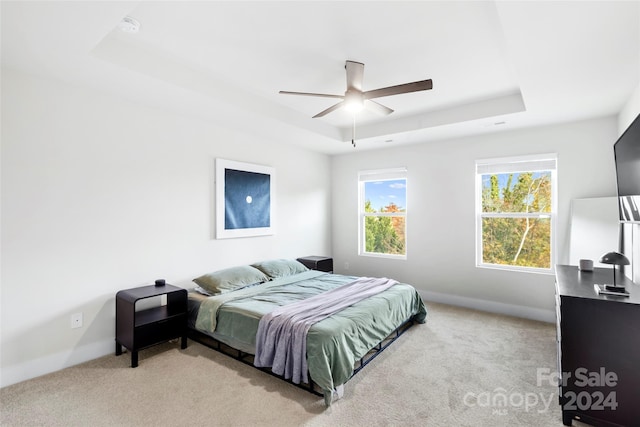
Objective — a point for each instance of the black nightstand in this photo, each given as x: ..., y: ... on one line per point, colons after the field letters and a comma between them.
x: 320, y: 263
x: 136, y: 330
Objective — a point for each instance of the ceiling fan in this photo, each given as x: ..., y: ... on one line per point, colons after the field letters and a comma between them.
x: 354, y: 98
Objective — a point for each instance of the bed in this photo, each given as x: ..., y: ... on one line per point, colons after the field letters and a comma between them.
x: 227, y: 306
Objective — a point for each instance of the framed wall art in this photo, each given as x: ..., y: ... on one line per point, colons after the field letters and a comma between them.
x: 245, y: 202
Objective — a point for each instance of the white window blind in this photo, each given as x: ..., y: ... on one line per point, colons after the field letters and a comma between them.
x: 382, y: 175
x: 545, y: 162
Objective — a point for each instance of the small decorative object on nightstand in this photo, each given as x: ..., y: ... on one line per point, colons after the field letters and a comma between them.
x: 614, y: 258
x: 136, y: 330
x: 320, y: 263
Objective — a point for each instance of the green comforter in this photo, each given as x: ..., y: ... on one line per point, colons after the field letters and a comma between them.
x: 333, y: 344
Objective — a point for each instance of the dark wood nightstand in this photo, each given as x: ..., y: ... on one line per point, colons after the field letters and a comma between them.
x: 320, y: 263
x: 136, y: 330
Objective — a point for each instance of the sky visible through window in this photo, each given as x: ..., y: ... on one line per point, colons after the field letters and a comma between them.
x: 381, y: 193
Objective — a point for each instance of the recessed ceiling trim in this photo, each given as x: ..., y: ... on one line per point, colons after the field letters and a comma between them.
x: 498, y: 106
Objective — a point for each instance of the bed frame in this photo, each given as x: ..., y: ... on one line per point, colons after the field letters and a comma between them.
x: 247, y: 358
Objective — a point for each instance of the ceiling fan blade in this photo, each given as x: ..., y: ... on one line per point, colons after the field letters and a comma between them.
x: 324, y: 95
x: 330, y: 109
x: 396, y: 90
x: 377, y: 107
x: 355, y: 71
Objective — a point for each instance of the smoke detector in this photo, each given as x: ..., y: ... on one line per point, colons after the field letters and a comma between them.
x: 129, y: 25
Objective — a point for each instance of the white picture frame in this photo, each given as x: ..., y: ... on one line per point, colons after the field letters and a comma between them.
x: 245, y: 199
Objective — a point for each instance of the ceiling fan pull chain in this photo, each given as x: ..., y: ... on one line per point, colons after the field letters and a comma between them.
x: 353, y: 133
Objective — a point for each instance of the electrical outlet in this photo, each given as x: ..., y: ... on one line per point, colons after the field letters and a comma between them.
x: 346, y: 265
x: 76, y: 320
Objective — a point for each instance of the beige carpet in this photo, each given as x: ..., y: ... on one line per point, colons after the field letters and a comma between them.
x: 451, y: 371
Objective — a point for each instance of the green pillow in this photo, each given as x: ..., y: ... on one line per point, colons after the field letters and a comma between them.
x: 230, y: 279
x: 280, y: 267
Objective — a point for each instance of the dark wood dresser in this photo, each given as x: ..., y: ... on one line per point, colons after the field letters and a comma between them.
x: 598, y: 348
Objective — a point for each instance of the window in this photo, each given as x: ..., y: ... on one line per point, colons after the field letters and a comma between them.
x: 516, y: 213
x: 383, y: 213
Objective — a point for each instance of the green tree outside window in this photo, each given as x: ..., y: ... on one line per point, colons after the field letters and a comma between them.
x: 383, y: 213
x: 516, y: 219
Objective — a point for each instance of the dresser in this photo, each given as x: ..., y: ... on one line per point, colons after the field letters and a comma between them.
x: 598, y: 349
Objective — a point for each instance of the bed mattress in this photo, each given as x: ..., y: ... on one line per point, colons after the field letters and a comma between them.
x: 333, y: 344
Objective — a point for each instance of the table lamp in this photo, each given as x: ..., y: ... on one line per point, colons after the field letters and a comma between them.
x: 614, y: 258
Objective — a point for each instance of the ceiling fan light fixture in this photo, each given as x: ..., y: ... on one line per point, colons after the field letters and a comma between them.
x: 353, y: 107
x: 353, y: 102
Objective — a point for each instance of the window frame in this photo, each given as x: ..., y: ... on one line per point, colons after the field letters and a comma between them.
x: 517, y: 164
x: 365, y: 176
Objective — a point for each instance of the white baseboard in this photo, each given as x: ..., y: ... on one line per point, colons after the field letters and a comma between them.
x: 491, y: 306
x: 45, y: 365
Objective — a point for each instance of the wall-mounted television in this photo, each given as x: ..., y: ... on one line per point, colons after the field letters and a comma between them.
x: 627, y: 158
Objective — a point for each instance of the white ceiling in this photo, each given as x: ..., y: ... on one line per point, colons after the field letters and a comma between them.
x: 494, y: 65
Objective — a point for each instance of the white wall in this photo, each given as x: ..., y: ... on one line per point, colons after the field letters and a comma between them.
x: 441, y: 223
x: 100, y: 194
x: 630, y: 111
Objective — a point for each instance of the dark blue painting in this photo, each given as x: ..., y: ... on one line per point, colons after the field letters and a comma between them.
x: 247, y: 199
